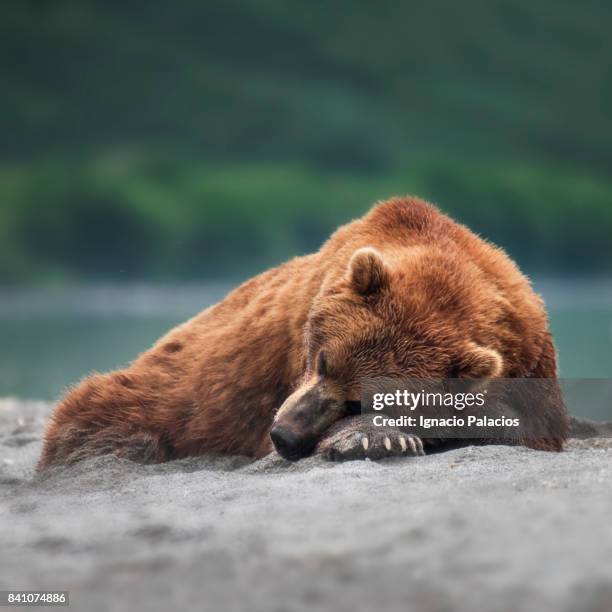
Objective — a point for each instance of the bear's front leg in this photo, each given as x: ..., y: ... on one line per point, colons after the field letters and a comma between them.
x: 356, y: 437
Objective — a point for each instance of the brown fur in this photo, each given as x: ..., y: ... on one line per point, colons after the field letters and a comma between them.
x: 424, y: 297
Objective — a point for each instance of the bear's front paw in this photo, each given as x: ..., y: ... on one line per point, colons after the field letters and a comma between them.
x: 354, y: 444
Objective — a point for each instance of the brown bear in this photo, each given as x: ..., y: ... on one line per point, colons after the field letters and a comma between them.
x: 402, y: 292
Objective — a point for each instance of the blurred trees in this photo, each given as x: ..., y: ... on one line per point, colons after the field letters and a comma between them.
x: 209, y: 140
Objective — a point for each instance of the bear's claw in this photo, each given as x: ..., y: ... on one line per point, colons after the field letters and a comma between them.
x: 349, y: 445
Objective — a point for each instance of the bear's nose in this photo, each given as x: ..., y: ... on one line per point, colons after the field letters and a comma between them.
x: 287, y: 443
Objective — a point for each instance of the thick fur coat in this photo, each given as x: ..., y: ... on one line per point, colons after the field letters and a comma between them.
x: 402, y: 292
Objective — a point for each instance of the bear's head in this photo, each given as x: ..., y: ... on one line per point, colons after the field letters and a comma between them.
x: 420, y: 313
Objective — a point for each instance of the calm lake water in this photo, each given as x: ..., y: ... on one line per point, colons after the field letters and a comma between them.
x: 50, y: 339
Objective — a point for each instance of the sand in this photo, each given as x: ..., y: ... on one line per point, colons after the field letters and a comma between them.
x: 491, y: 528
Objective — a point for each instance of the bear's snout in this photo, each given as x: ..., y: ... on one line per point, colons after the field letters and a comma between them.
x: 289, y: 445
x: 302, y: 420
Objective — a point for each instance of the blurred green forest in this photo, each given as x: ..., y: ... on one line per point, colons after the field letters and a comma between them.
x: 208, y: 140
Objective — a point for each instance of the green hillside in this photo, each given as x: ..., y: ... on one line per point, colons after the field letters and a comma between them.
x: 211, y: 139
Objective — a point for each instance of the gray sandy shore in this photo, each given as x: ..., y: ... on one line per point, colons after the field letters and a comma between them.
x: 490, y: 528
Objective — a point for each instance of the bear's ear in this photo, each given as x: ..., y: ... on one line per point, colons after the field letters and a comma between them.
x: 480, y: 362
x: 367, y: 271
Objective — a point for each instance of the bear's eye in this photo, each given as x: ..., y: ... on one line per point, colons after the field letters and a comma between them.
x: 322, y: 364
x: 454, y: 371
